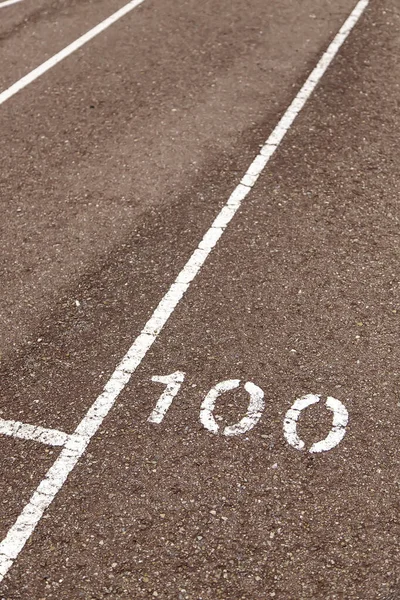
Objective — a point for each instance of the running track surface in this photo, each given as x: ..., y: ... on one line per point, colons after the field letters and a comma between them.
x: 114, y: 164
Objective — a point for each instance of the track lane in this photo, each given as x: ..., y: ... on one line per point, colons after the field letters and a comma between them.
x: 66, y: 282
x: 34, y: 30
x: 75, y: 445
x: 87, y: 181
x: 172, y: 460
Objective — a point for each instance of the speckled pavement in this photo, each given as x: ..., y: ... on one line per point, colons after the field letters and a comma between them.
x: 113, y: 166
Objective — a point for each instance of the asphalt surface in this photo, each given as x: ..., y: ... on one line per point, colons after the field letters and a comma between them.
x: 113, y: 165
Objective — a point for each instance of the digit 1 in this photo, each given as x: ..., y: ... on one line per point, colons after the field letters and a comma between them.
x: 173, y: 383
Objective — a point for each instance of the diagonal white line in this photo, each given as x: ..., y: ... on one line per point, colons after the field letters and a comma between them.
x: 54, y: 60
x: 25, y: 524
x: 8, y: 3
x: 24, y: 431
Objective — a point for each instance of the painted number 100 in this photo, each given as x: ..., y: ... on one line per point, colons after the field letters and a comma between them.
x: 255, y: 410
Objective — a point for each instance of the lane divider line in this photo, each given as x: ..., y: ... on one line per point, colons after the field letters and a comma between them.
x: 8, y: 3
x: 24, y: 431
x: 75, y: 446
x: 54, y: 60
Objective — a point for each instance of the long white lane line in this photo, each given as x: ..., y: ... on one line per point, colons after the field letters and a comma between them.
x: 22, y: 529
x: 24, y: 431
x: 54, y: 60
x: 8, y: 3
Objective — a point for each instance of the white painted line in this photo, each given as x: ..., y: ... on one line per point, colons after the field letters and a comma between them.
x: 51, y: 437
x: 25, y: 524
x: 54, y: 60
x: 8, y: 3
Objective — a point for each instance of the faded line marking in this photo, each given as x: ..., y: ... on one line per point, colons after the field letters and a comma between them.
x: 54, y: 60
x: 8, y: 3
x: 25, y: 524
x: 24, y: 431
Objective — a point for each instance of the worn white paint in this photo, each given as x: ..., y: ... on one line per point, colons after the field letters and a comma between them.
x: 8, y: 3
x: 339, y: 424
x: 207, y: 408
x: 254, y: 411
x: 291, y: 418
x: 253, y: 414
x: 173, y: 383
x: 25, y: 524
x: 67, y: 51
x: 334, y: 437
x: 24, y: 431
